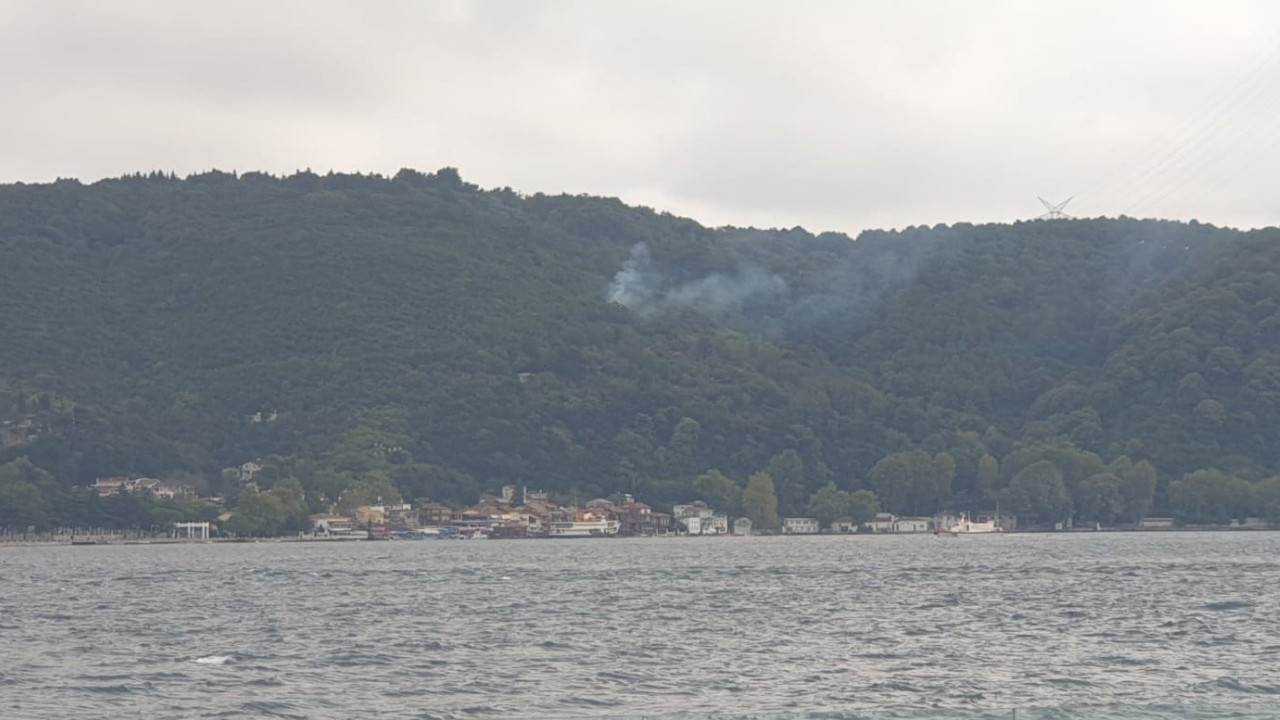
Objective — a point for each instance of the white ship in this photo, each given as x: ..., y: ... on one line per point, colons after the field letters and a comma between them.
x: 583, y: 525
x: 965, y: 526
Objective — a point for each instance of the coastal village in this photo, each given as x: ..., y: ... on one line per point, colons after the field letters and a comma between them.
x: 518, y: 513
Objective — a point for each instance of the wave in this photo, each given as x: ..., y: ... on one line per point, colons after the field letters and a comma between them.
x: 214, y: 660
x: 114, y: 689
x: 1229, y: 605
x: 1231, y: 683
x: 1079, y: 712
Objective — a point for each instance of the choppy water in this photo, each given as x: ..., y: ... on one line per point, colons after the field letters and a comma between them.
x: 1054, y: 626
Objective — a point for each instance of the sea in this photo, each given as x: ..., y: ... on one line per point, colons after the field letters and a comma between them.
x: 1020, y: 626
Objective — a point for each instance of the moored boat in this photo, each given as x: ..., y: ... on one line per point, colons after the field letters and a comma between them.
x: 966, y: 526
x: 583, y: 525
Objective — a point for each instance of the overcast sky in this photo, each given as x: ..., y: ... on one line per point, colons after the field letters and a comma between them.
x: 832, y: 115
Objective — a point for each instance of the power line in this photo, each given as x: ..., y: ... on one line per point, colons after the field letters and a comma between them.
x: 1183, y: 149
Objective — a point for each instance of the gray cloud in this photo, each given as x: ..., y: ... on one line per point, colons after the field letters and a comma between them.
x: 830, y: 115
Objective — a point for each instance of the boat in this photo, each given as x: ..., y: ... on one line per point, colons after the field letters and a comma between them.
x: 966, y: 526
x: 583, y: 525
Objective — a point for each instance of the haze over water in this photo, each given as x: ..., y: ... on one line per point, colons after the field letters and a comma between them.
x: 1120, y: 625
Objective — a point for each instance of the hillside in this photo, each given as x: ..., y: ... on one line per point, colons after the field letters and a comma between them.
x: 421, y: 334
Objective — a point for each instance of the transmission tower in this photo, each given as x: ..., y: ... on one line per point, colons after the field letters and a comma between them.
x: 1054, y: 211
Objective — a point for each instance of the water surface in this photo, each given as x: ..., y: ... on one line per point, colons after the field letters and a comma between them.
x: 1111, y: 625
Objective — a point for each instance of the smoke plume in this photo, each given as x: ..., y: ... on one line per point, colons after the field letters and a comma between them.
x: 641, y: 287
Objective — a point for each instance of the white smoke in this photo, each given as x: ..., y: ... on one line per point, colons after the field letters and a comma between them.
x: 634, y: 286
x: 639, y: 287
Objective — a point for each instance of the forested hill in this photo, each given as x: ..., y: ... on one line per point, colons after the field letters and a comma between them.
x: 422, y: 333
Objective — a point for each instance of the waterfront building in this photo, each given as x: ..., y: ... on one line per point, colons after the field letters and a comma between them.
x: 800, y: 526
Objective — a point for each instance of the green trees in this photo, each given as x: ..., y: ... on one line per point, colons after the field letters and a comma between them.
x: 718, y: 491
x: 450, y: 340
x: 893, y: 479
x: 23, y: 490
x: 1137, y: 489
x: 1210, y: 496
x: 829, y: 504
x: 374, y: 489
x: 863, y: 507
x: 760, y: 502
x: 1038, y: 496
x: 1267, y: 498
x: 912, y: 483
x: 278, y: 511
x: 988, y: 477
x: 423, y: 481
x: 1098, y: 499
x: 786, y: 470
x: 942, y: 473
x: 1073, y: 464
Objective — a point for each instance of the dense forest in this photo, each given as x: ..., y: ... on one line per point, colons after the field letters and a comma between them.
x: 367, y: 336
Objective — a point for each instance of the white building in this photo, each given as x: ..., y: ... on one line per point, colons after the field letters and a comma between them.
x: 698, y: 519
x: 691, y: 524
x: 882, y: 523
x: 843, y: 526
x: 715, y: 525
x: 191, y: 530
x: 742, y: 526
x: 335, y: 527
x: 800, y: 526
x: 890, y: 523
x: 911, y: 525
x: 697, y: 509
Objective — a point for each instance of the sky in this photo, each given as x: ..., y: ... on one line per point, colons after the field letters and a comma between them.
x: 837, y: 116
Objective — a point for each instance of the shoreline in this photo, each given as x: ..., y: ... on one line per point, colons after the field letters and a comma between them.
x: 119, y: 540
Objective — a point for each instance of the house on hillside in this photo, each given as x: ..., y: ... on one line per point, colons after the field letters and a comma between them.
x: 436, y: 514
x: 108, y: 486
x: 742, y: 526
x: 401, y: 516
x: 18, y: 433
x: 169, y: 490
x: 249, y: 470
x: 144, y: 485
